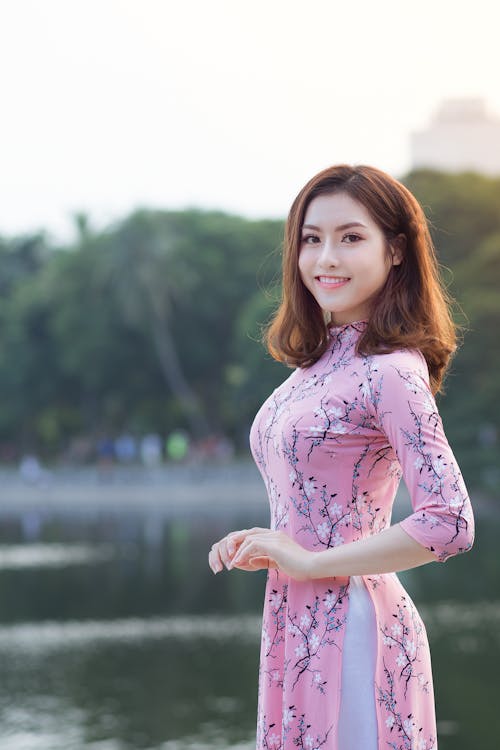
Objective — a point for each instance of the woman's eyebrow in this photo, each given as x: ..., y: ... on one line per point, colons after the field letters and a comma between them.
x: 339, y: 228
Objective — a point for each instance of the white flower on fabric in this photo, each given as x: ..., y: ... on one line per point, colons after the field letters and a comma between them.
x: 335, y: 411
x: 309, y: 741
x: 387, y: 640
x: 338, y: 539
x: 408, y: 726
x: 292, y: 476
x: 305, y: 621
x: 439, y: 466
x: 419, y: 462
x: 275, y: 600
x: 309, y: 488
x: 276, y: 675
x: 397, y: 629
x: 293, y: 629
x: 410, y: 647
x: 401, y: 660
x: 365, y: 388
x: 456, y: 502
x: 389, y: 722
x: 300, y: 651
x: 335, y: 509
x: 317, y: 430
x: 273, y: 740
x: 314, y: 641
x: 422, y: 744
x: 329, y: 601
x: 287, y: 716
x: 323, y: 529
x: 317, y: 677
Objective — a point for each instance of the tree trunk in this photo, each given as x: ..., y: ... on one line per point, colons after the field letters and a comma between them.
x: 172, y: 371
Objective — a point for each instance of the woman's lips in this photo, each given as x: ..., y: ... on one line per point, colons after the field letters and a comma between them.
x: 331, y: 282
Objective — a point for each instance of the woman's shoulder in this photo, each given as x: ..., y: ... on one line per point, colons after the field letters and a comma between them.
x: 405, y: 359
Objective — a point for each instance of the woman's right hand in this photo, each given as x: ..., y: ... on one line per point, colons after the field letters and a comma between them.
x: 225, y: 549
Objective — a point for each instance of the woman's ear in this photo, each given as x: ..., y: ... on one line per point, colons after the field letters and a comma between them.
x: 398, y: 247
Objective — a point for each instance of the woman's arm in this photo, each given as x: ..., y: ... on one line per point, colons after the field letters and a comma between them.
x: 405, y: 411
x: 389, y: 551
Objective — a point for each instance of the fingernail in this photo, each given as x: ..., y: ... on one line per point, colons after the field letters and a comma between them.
x: 230, y: 549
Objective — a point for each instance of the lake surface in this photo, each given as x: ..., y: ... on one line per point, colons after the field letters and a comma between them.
x: 115, y: 634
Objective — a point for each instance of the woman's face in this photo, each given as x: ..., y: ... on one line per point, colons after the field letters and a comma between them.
x: 343, y: 258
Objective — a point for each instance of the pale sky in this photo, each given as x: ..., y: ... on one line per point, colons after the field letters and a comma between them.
x: 108, y: 105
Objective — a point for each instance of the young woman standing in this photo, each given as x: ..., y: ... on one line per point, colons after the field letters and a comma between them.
x: 365, y: 321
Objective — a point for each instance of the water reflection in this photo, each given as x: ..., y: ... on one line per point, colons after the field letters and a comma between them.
x: 40, y: 637
x: 15, y: 556
x: 137, y: 683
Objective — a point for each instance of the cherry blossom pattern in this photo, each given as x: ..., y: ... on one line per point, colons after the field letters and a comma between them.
x: 313, y: 631
x: 306, y: 738
x: 273, y: 631
x: 408, y: 735
x: 407, y: 639
x: 326, y: 533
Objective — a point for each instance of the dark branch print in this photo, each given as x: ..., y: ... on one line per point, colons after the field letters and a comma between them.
x: 312, y: 632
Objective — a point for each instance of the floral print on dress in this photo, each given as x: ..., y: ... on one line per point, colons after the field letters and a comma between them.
x: 332, y: 443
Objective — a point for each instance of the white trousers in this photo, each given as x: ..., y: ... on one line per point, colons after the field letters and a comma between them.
x: 357, y: 728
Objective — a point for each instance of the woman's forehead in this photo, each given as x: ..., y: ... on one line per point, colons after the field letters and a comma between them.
x: 335, y: 210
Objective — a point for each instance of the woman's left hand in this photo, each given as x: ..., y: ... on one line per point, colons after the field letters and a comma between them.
x: 263, y: 548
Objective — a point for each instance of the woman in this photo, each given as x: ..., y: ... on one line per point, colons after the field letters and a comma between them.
x: 364, y: 318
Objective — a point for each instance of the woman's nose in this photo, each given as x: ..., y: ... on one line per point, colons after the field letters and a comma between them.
x: 329, y: 253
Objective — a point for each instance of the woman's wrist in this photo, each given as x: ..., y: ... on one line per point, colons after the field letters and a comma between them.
x: 314, y: 564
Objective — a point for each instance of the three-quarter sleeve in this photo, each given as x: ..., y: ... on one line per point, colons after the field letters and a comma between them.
x: 406, y: 413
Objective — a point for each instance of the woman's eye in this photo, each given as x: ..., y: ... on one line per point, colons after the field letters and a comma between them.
x: 310, y: 239
x: 352, y: 237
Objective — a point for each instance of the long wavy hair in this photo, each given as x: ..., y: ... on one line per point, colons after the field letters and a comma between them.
x: 411, y: 310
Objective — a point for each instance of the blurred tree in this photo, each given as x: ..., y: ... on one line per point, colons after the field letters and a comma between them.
x: 143, y: 268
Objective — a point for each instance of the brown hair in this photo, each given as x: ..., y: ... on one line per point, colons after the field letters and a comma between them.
x: 412, y: 310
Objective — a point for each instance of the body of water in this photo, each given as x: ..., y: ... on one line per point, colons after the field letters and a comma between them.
x: 115, y: 634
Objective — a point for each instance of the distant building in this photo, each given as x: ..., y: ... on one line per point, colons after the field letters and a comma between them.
x: 462, y: 136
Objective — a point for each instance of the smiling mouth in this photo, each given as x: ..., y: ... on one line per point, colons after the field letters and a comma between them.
x: 332, y: 280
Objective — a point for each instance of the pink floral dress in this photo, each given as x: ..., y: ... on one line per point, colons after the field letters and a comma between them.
x: 332, y: 443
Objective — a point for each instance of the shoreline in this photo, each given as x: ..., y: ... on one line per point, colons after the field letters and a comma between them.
x: 164, y: 491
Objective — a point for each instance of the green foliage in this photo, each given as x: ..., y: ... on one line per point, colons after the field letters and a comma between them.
x: 465, y: 213
x: 156, y: 322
